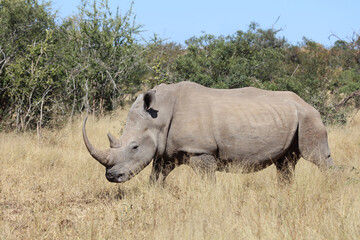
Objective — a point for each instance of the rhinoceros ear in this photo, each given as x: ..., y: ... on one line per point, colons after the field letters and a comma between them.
x: 149, y: 99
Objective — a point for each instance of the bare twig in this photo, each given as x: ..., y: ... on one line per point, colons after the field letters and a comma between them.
x: 4, y: 61
x: 352, y: 119
x: 295, y: 70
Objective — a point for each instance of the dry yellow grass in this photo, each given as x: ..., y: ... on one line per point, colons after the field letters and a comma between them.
x: 53, y: 189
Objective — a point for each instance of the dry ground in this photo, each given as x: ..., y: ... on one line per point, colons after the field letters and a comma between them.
x: 53, y: 189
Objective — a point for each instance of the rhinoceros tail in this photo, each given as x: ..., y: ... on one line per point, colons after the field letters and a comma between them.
x: 313, y: 140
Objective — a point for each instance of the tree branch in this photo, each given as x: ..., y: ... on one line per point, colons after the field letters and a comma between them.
x: 345, y: 100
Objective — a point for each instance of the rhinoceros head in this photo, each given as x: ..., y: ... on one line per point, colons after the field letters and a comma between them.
x: 137, y: 145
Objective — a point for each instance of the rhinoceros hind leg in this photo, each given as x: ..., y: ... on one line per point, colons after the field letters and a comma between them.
x: 205, y: 165
x: 285, y: 167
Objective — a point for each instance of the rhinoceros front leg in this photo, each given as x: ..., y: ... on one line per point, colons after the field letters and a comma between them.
x: 204, y: 164
x: 160, y: 170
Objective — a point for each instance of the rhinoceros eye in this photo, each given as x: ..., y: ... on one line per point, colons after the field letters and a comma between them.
x: 133, y: 145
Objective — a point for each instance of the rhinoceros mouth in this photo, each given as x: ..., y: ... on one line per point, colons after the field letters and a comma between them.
x: 117, y: 180
x: 125, y: 174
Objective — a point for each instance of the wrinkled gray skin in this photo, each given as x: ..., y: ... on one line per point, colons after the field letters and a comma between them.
x: 213, y: 129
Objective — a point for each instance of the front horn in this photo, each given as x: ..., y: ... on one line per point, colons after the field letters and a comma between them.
x: 101, y: 156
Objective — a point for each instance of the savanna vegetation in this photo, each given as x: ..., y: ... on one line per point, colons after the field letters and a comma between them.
x: 55, y: 71
x: 53, y: 189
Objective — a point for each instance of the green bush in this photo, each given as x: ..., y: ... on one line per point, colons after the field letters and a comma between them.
x: 92, y: 61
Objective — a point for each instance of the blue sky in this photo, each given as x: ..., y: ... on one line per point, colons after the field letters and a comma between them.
x: 180, y: 20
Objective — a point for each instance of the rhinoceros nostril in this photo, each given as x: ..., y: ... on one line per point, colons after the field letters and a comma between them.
x: 109, y: 175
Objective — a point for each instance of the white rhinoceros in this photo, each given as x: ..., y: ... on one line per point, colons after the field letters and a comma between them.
x: 213, y: 129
